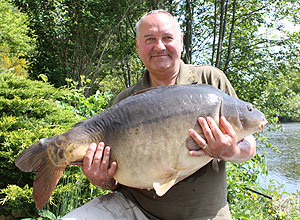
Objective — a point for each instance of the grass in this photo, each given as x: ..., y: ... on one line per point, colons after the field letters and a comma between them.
x: 282, y: 206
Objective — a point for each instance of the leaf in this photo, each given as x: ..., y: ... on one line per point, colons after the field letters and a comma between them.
x: 47, y: 214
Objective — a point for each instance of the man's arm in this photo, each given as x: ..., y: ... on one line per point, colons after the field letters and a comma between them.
x: 96, y: 166
x: 222, y: 145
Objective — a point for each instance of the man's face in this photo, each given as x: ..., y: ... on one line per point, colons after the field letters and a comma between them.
x: 159, y: 43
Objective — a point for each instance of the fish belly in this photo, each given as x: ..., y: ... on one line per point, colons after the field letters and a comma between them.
x: 155, y: 153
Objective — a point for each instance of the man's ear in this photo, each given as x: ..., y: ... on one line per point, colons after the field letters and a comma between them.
x: 181, y: 40
x: 136, y: 43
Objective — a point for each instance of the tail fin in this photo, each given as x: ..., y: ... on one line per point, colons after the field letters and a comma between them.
x: 47, y: 177
x: 35, y: 158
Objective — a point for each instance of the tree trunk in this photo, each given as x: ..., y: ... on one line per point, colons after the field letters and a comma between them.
x: 188, y: 33
x: 215, y: 33
x: 221, y: 30
x: 126, y: 71
x: 228, y: 58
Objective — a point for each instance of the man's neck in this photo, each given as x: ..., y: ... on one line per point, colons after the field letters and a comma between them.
x: 163, y: 79
x: 163, y: 82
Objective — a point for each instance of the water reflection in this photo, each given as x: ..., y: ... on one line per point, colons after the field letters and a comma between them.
x: 285, y: 166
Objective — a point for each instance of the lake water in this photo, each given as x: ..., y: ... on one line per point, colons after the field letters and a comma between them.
x: 284, y: 167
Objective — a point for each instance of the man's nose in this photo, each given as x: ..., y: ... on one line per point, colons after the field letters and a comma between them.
x: 159, y: 45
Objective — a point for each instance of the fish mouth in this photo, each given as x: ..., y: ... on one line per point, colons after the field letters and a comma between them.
x: 263, y: 124
x: 77, y: 163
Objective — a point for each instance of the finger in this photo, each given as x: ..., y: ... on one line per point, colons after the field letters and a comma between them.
x: 197, y: 138
x: 98, y: 155
x: 88, y: 157
x: 197, y: 153
x: 206, y: 130
x: 214, y: 128
x: 105, y: 160
x: 112, y: 170
x: 228, y: 129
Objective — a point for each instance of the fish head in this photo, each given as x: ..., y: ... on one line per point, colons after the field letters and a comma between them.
x: 243, y: 117
x: 252, y: 120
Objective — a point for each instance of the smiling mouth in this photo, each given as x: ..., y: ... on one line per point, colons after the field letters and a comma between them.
x: 159, y: 55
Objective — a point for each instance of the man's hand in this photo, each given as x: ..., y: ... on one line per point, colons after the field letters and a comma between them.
x: 222, y: 144
x: 96, y: 166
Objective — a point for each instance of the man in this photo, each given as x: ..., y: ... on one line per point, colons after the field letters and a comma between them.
x: 201, y: 196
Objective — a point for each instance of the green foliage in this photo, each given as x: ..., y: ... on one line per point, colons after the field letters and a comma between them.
x: 14, y: 30
x: 28, y: 113
x: 73, y: 191
x: 240, y: 176
x: 19, y: 200
x: 31, y: 110
x: 250, y: 205
x: 14, y: 39
x: 96, y: 39
x: 245, y: 204
x: 284, y: 205
x: 91, y: 38
x: 257, y: 53
x: 81, y: 105
x: 14, y: 64
x: 294, y: 81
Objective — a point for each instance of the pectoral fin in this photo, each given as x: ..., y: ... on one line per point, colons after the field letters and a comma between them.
x: 191, y: 144
x: 215, y: 165
x: 162, y: 188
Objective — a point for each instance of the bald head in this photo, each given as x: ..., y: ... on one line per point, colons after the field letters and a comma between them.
x: 138, y: 24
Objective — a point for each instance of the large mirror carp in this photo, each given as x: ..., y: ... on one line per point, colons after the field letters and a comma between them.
x: 148, y: 136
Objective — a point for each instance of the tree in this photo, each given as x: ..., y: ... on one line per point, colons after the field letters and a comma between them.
x: 231, y: 36
x: 90, y: 38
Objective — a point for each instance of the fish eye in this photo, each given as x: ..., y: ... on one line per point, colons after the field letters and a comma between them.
x: 250, y: 108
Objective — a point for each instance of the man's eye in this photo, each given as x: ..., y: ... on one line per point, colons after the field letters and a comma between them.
x: 168, y: 38
x: 150, y: 39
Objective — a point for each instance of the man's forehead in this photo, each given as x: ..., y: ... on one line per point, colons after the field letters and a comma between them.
x: 155, y: 23
x: 158, y: 19
x: 160, y: 32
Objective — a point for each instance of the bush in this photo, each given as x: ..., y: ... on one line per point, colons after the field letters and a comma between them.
x: 14, y: 64
x: 247, y: 200
x: 29, y: 111
x: 14, y: 30
x: 85, y: 106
